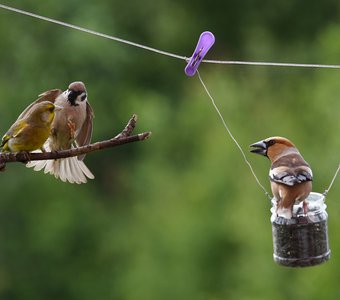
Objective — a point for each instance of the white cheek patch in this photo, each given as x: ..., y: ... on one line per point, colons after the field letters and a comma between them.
x: 82, y: 97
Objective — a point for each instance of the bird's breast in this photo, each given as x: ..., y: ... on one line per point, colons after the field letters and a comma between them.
x: 65, y: 119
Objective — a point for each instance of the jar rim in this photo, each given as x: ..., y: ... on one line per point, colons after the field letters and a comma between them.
x: 315, y: 207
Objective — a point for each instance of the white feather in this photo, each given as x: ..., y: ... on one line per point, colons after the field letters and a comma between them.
x: 40, y: 165
x: 68, y: 171
x: 77, y: 171
x: 62, y: 170
x: 85, y: 169
x: 55, y: 168
x: 49, y: 167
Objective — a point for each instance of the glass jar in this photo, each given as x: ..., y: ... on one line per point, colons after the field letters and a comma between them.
x: 301, y: 241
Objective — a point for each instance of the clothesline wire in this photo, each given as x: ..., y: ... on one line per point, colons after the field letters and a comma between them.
x: 270, y: 64
x: 242, y: 151
x: 103, y: 35
x: 226, y: 62
x: 120, y: 40
x: 332, y: 181
x: 232, y: 136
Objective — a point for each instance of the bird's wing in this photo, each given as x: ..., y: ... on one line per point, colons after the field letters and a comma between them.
x: 4, y: 140
x: 14, y: 131
x: 46, y: 96
x: 85, y: 134
x: 290, y: 177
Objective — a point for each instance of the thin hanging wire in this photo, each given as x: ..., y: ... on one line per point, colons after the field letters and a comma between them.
x: 106, y: 36
x: 331, y: 184
x: 232, y: 136
x: 110, y: 37
x: 271, y: 64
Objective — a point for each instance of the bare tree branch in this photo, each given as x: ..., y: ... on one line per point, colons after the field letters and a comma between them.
x: 122, y: 138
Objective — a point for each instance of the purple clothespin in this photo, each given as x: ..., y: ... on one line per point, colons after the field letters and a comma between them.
x: 205, y: 42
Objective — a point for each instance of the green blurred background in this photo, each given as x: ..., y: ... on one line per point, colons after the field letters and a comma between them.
x: 178, y: 216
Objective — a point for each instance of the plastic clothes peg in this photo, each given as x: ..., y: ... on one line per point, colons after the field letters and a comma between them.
x: 205, y: 42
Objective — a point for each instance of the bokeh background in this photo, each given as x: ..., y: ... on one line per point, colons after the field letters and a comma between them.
x: 178, y: 216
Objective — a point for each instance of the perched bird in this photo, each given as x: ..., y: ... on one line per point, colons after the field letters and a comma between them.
x: 31, y: 129
x: 290, y: 175
x: 72, y: 127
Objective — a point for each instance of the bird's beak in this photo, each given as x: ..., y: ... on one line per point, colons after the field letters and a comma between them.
x: 259, y: 148
x: 57, y: 107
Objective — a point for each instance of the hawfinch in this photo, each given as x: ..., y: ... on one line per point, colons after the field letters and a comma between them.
x: 72, y: 127
x: 290, y: 175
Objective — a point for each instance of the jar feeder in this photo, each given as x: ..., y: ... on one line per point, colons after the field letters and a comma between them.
x: 301, y: 241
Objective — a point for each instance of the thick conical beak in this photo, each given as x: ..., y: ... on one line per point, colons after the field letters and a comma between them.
x: 260, y: 148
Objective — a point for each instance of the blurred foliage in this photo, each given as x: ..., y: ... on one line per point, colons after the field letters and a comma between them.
x: 178, y: 216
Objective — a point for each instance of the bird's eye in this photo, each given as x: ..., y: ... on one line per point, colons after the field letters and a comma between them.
x: 82, y: 98
x: 270, y: 143
x: 51, y: 109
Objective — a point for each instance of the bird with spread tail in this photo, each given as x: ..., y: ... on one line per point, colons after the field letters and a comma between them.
x: 290, y: 175
x: 72, y: 127
x: 31, y: 129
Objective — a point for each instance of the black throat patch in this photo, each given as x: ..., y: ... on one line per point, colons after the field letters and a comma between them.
x: 72, y: 96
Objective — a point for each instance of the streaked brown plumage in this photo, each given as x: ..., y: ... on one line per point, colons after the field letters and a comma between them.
x: 290, y: 175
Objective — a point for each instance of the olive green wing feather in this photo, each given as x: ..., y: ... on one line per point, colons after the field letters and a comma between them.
x: 14, y: 131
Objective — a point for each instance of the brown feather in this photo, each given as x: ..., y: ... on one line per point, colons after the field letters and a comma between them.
x: 85, y: 134
x: 46, y: 96
x: 293, y: 160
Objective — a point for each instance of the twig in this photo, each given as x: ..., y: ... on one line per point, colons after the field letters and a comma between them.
x: 123, y: 138
x: 130, y: 126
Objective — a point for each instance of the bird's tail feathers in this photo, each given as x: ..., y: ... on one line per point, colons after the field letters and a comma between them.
x: 68, y: 169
